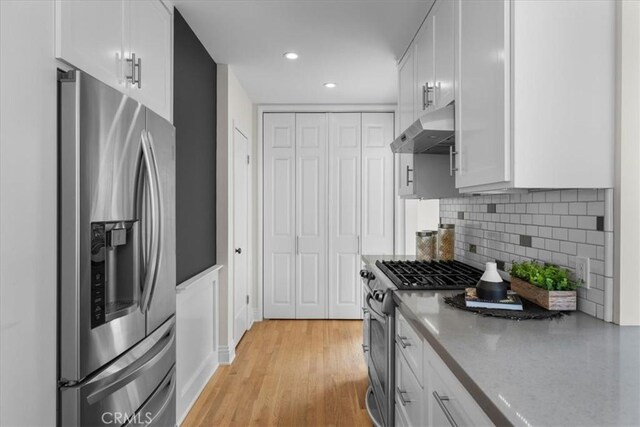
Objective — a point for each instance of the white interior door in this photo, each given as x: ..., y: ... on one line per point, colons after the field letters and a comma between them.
x: 240, y: 234
x: 377, y: 184
x: 344, y: 215
x: 311, y: 215
x: 279, y: 216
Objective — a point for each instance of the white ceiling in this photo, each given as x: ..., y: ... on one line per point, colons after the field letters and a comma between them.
x: 354, y: 43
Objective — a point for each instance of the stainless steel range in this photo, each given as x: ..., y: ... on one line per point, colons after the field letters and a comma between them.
x: 434, y: 275
x: 381, y: 280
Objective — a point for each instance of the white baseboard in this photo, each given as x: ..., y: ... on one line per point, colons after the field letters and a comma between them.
x: 226, y: 354
x: 256, y: 315
x: 196, y: 384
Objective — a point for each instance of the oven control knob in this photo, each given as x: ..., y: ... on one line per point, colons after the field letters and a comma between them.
x: 363, y: 273
x: 370, y: 276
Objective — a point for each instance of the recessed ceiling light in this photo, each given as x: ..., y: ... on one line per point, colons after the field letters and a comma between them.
x: 330, y: 85
x: 291, y: 55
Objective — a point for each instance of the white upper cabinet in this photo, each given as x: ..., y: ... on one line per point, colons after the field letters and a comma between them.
x: 407, y: 89
x: 151, y: 29
x: 482, y: 132
x: 434, y: 59
x: 102, y: 37
x: 424, y: 86
x: 534, y: 109
x: 443, y: 52
x: 89, y: 36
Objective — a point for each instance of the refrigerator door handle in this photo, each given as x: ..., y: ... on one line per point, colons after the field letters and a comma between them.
x: 157, y: 405
x: 160, y: 227
x: 151, y: 266
x: 120, y: 378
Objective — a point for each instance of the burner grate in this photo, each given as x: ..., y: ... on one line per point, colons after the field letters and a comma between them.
x: 434, y: 275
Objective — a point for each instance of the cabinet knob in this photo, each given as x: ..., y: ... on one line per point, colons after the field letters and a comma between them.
x: 238, y: 250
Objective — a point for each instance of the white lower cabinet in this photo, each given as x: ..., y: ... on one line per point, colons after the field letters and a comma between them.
x: 427, y: 392
x: 409, y: 392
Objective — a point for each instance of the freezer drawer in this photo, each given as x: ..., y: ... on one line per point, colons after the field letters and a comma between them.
x: 160, y: 409
x: 119, y: 390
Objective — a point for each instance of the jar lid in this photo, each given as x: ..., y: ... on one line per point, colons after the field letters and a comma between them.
x: 425, y: 233
x: 446, y: 226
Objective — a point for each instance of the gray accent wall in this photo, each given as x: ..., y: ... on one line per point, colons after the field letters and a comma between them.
x: 195, y: 115
x: 547, y: 226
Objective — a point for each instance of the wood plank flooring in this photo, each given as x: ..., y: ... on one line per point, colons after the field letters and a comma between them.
x: 289, y: 373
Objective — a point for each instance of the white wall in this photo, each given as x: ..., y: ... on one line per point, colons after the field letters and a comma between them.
x: 235, y: 109
x: 28, y: 240
x: 419, y: 215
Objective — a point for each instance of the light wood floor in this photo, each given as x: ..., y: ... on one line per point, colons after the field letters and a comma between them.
x: 289, y: 373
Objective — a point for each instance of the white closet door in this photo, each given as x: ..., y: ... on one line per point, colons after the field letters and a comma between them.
x: 377, y: 184
x: 279, y: 216
x: 311, y: 215
x: 344, y: 215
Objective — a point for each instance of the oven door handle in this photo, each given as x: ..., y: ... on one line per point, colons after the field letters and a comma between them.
x: 379, y: 317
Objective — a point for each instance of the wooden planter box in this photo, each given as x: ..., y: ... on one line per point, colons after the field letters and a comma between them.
x: 551, y: 300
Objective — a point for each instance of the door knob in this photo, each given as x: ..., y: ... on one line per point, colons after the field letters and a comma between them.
x: 238, y: 250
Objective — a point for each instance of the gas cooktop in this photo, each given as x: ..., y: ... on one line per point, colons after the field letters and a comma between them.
x: 430, y: 275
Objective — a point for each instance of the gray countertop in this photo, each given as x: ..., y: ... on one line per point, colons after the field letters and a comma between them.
x: 573, y: 371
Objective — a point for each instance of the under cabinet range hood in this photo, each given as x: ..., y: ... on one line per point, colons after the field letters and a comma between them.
x: 433, y: 133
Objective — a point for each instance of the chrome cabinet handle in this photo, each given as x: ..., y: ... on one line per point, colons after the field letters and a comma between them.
x: 402, y: 342
x: 426, y: 90
x: 452, y: 153
x: 424, y: 97
x: 409, y: 170
x: 365, y: 310
x: 401, y: 394
x: 135, y: 66
x: 441, y: 400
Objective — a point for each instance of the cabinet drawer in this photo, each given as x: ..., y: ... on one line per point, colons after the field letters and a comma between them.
x: 447, y: 401
x: 410, y: 344
x: 409, y: 393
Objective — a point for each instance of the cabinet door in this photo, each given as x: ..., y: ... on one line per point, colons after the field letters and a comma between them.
x: 424, y: 83
x: 344, y: 215
x: 482, y: 93
x: 279, y: 216
x: 406, y: 185
x: 406, y: 90
x: 311, y: 215
x: 89, y: 36
x: 377, y: 184
x: 443, y: 51
x: 151, y: 28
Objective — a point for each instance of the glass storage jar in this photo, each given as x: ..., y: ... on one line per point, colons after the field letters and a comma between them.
x: 425, y: 245
x: 446, y: 242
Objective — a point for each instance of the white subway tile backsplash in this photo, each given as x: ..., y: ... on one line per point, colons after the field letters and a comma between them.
x: 578, y: 208
x: 595, y: 208
x: 548, y: 226
x: 561, y: 208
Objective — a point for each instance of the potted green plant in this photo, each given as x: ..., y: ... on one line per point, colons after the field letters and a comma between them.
x: 546, y: 285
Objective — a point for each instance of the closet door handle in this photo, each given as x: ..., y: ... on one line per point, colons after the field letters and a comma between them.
x: 409, y: 170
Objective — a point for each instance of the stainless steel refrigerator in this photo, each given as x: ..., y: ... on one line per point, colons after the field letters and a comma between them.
x: 117, y: 272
